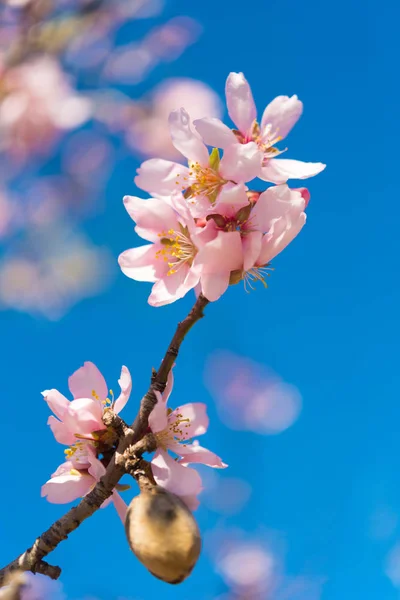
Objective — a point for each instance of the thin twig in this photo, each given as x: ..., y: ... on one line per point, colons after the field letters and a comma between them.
x: 127, y: 458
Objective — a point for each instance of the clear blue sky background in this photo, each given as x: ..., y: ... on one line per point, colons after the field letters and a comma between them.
x: 328, y: 322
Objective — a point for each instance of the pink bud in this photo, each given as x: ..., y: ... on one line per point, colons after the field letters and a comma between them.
x: 305, y: 194
x: 253, y: 196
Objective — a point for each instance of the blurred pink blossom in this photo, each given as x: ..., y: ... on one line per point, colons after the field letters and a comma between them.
x: 133, y: 62
x: 149, y: 133
x: 40, y: 282
x: 252, y: 567
x: 6, y: 213
x: 39, y: 104
x: 249, y: 396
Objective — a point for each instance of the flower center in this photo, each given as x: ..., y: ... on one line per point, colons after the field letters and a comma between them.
x: 108, y: 402
x: 202, y: 181
x: 174, y: 432
x: 78, y: 452
x: 265, y: 140
x: 178, y: 249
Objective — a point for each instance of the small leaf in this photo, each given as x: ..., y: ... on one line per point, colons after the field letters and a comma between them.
x: 214, y: 159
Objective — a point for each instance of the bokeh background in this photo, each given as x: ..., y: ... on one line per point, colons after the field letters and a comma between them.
x: 301, y: 380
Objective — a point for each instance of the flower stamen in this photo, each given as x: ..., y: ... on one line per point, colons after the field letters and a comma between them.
x: 178, y: 249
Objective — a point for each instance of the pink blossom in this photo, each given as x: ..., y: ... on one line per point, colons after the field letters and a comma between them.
x: 173, y: 430
x: 265, y: 226
x: 204, y: 177
x: 38, y: 105
x: 278, y: 119
x: 82, y: 416
x: 180, y: 254
x: 76, y: 477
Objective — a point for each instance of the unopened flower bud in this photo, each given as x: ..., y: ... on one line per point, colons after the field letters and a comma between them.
x: 163, y: 534
x: 305, y: 193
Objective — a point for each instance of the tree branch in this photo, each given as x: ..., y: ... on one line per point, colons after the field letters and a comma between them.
x: 127, y: 459
x: 159, y: 380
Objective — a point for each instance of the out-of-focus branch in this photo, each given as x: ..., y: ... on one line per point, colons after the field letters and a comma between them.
x: 133, y: 442
x: 39, y: 31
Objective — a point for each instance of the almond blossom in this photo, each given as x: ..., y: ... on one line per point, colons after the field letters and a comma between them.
x: 278, y: 119
x: 173, y: 430
x: 265, y: 227
x: 82, y: 417
x: 202, y: 180
x: 77, y: 476
x: 180, y: 255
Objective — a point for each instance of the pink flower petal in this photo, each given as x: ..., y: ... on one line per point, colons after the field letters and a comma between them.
x: 159, y: 176
x: 215, y: 133
x: 86, y: 380
x: 213, y: 285
x: 152, y: 217
x: 274, y: 244
x: 279, y: 170
x: 191, y: 502
x: 120, y: 506
x: 231, y: 199
x: 61, y: 432
x: 240, y: 102
x: 196, y: 415
x: 223, y: 253
x: 139, y: 263
x: 169, y: 386
x: 84, y: 416
x: 187, y: 141
x: 174, y: 286
x: 251, y: 243
x: 241, y: 162
x: 158, y: 417
x: 67, y: 488
x: 180, y: 480
x: 125, y: 383
x: 96, y: 469
x: 275, y: 203
x: 57, y: 402
x: 282, y: 114
x: 194, y: 453
x: 63, y: 469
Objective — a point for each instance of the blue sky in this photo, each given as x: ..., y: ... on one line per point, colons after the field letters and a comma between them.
x: 328, y: 323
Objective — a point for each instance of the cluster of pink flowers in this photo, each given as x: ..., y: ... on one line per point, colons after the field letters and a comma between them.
x: 78, y: 424
x: 206, y: 228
